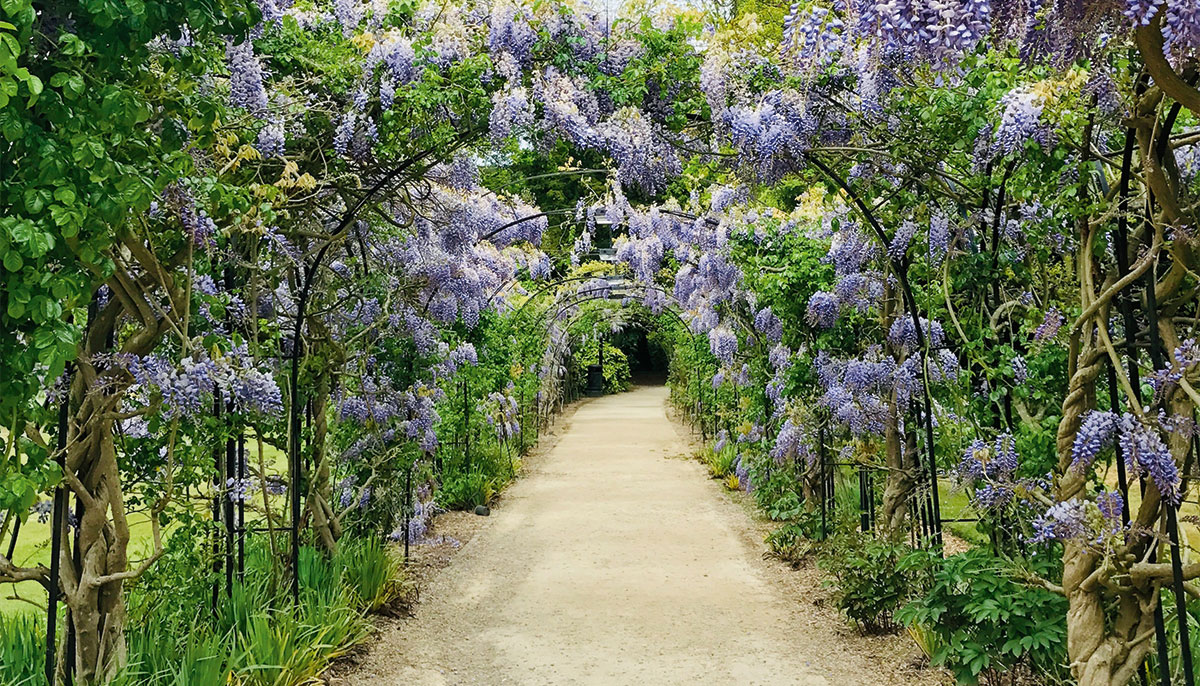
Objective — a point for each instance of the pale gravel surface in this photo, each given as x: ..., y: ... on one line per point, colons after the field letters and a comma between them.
x: 614, y: 561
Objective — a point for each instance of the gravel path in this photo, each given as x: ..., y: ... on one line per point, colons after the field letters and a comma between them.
x: 616, y: 561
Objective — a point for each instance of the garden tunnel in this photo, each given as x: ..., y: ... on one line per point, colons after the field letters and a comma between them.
x: 259, y: 304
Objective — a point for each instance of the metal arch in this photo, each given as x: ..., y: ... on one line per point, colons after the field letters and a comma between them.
x: 695, y: 341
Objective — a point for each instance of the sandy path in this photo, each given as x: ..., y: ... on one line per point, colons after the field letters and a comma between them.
x: 613, y: 564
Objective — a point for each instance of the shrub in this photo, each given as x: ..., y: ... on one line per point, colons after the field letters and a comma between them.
x: 796, y: 541
x: 616, y: 365
x: 160, y: 657
x: 985, y: 622
x: 461, y: 491
x: 258, y: 638
x: 720, y: 463
x: 777, y: 493
x: 870, y: 585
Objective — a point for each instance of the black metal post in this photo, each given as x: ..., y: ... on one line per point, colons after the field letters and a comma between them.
x: 56, y: 542
x: 76, y: 559
x: 12, y: 541
x: 466, y: 428
x: 522, y: 410
x: 294, y: 497
x: 864, y: 520
x: 408, y: 510
x: 935, y: 518
x: 824, y: 482
x: 218, y: 489
x: 1124, y: 303
x: 920, y: 501
x: 227, y: 502
x: 1181, y: 611
x: 241, y: 507
x: 696, y: 371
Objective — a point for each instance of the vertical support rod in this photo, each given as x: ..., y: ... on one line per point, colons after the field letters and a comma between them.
x: 1158, y: 359
x: 227, y: 501
x: 824, y: 482
x: 864, y: 520
x: 1124, y: 304
x: 408, y: 510
x: 218, y: 488
x: 920, y: 501
x: 935, y: 518
x: 466, y: 427
x: 56, y: 543
x: 522, y: 411
x: 1181, y: 611
x: 294, y: 496
x: 241, y: 508
x: 12, y: 542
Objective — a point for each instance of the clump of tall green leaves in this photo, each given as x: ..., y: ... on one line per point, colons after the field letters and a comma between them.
x: 22, y: 650
x: 796, y: 541
x: 372, y: 573
x: 720, y: 462
x: 465, y: 490
x: 257, y: 637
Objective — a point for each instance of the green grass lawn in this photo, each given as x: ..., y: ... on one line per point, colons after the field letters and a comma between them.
x: 33, y: 545
x: 956, y: 505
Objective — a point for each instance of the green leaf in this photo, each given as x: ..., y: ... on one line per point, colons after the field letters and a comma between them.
x: 33, y: 200
x: 16, y: 310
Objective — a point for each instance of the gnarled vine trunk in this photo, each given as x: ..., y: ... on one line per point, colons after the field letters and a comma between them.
x: 326, y: 522
x: 900, y: 479
x: 93, y: 562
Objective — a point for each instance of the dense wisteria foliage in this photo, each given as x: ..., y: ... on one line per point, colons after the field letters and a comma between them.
x: 187, y: 389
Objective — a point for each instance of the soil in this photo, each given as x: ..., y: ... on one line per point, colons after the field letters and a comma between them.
x: 616, y: 560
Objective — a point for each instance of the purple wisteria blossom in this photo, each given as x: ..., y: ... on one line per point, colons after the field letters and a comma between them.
x: 246, y: 89
x: 1062, y: 522
x: 1022, y: 112
x: 1050, y: 325
x: 822, y: 310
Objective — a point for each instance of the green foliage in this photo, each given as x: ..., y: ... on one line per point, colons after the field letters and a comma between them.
x: 984, y: 621
x: 278, y: 649
x: 616, y: 364
x: 777, y: 492
x: 507, y: 348
x: 257, y: 637
x: 371, y: 572
x: 22, y: 650
x: 464, y: 491
x: 158, y: 655
x: 87, y: 103
x: 1171, y: 626
x: 720, y: 462
x: 795, y: 542
x: 870, y: 585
